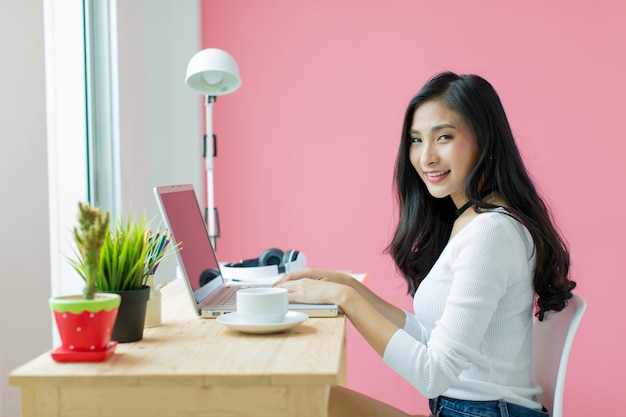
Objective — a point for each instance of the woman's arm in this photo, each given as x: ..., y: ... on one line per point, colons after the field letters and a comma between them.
x: 392, y: 313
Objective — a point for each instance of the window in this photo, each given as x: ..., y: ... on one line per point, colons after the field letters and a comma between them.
x: 117, y: 110
x: 67, y: 133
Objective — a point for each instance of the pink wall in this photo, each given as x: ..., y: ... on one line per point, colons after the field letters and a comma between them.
x: 306, y: 146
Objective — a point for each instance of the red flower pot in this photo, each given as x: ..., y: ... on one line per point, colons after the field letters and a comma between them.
x: 85, y: 326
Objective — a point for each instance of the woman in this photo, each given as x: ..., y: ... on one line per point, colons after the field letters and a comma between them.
x: 477, y: 248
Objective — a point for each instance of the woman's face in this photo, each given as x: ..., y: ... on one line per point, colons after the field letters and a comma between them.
x: 443, y: 150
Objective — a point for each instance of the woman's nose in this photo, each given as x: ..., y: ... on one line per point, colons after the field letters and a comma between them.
x: 429, y: 155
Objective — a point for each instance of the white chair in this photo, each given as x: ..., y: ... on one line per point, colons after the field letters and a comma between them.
x: 552, y: 341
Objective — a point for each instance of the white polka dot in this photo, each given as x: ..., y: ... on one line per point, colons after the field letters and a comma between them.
x: 71, y: 347
x: 78, y: 330
x: 92, y: 347
x: 92, y: 315
x: 64, y: 315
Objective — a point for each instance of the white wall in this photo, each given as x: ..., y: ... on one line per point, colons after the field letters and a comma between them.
x: 160, y: 128
x: 160, y: 117
x: 25, y: 329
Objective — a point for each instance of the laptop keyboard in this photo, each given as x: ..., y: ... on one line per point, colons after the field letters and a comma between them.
x: 230, y: 299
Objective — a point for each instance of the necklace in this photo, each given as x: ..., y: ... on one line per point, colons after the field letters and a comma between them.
x: 462, y: 209
x: 469, y: 204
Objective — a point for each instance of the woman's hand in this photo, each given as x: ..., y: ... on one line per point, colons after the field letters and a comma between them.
x: 319, y: 275
x: 315, y: 286
x: 373, y: 317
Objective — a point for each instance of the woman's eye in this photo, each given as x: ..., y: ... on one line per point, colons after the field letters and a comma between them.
x: 415, y: 140
x: 445, y: 137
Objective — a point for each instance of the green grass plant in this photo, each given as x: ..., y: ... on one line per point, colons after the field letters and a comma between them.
x: 129, y: 254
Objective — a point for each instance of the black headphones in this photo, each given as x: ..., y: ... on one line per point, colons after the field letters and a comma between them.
x: 271, y: 262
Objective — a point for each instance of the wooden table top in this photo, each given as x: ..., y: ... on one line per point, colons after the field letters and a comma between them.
x: 189, y: 350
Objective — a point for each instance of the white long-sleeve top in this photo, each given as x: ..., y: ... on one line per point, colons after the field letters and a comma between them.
x: 470, y: 337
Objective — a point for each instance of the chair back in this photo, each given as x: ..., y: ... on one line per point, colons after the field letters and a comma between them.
x: 552, y: 342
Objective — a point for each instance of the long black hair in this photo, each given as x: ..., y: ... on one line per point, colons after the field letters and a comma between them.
x: 425, y: 222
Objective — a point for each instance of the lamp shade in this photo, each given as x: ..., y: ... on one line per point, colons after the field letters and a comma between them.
x: 213, y: 72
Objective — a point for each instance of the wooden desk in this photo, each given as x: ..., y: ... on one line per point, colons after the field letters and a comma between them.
x: 194, y: 367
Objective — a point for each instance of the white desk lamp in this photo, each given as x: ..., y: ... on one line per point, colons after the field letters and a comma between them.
x: 212, y: 72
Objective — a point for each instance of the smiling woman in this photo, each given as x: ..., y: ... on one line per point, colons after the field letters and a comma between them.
x: 474, y: 275
x: 443, y: 150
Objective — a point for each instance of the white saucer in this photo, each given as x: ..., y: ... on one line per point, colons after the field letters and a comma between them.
x: 235, y: 321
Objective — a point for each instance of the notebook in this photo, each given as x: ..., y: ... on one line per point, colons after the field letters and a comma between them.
x: 198, y: 263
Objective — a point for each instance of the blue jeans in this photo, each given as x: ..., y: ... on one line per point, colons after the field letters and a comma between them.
x: 450, y: 407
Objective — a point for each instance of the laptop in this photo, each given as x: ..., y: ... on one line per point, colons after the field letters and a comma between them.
x: 198, y: 263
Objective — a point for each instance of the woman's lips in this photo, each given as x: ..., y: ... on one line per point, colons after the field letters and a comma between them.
x: 436, y: 176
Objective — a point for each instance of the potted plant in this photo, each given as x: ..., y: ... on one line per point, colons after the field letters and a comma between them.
x: 129, y: 255
x: 85, y: 322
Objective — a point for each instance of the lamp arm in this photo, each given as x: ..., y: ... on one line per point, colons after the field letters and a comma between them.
x: 210, y: 147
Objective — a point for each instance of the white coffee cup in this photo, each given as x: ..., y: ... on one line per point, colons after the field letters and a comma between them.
x: 262, y: 305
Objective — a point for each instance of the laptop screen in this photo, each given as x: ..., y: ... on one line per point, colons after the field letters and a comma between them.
x: 181, y: 212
